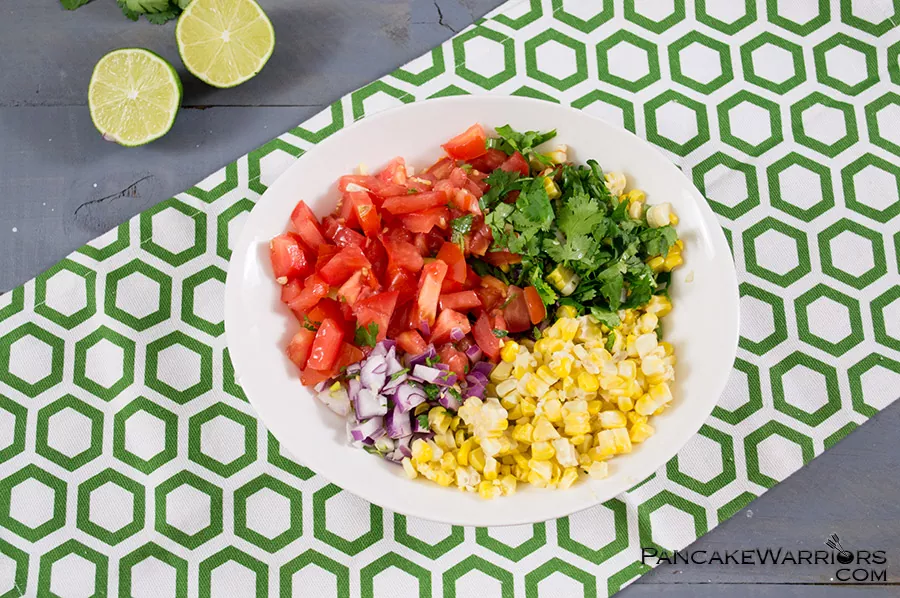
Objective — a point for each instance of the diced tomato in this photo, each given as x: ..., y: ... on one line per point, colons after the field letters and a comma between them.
x: 466, y: 201
x: 403, y: 255
x: 467, y: 145
x: 414, y: 202
x: 516, y: 311
x: 343, y: 265
x: 516, y: 163
x: 498, y: 321
x: 404, y: 282
x: 299, y: 347
x: 496, y: 284
x: 424, y: 221
x: 365, y: 212
x: 349, y: 355
x: 289, y: 258
x: 450, y: 286
x: 401, y: 321
x: 313, y: 290
x: 411, y: 342
x: 350, y: 290
x: 472, y: 279
x: 458, y: 178
x: 502, y: 258
x: 341, y: 235
x: 461, y: 301
x: 485, y: 338
x: 448, y: 321
x: 291, y: 290
x: 344, y: 212
x: 441, y: 169
x: 326, y: 345
x: 478, y: 242
x: 433, y: 241
x: 452, y: 255
x: 429, y: 293
x: 455, y: 359
x: 374, y: 184
x: 311, y: 377
x: 490, y: 161
x: 394, y: 172
x: 378, y: 309
x: 537, y: 311
x: 326, y: 252
x: 307, y: 225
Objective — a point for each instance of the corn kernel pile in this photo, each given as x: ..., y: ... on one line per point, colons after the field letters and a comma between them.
x: 555, y: 408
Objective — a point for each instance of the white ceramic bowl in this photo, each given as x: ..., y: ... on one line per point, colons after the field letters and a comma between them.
x: 703, y: 325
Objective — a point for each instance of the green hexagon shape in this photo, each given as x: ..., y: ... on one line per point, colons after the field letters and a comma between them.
x: 311, y: 557
x: 42, y: 441
x: 514, y: 553
x: 509, y: 57
x: 552, y: 36
x: 358, y: 98
x: 349, y: 547
x: 223, y: 222
x: 170, y: 436
x: 607, y: 98
x: 123, y: 239
x: 583, y: 25
x: 476, y: 563
x: 56, y: 521
x: 876, y: 29
x: 259, y: 569
x: 294, y: 531
x: 694, y: 37
x: 150, y: 550
x: 204, y: 384
x: 777, y: 199
x: 879, y: 304
x: 653, y: 134
x: 17, y: 442
x: 848, y: 174
x: 284, y: 462
x: 534, y: 13
x: 821, y: 50
x: 605, y: 552
x: 20, y: 575
x: 731, y: 28
x: 893, y: 60
x: 664, y: 498
x: 211, y: 195
x: 773, y: 428
x: 799, y: 237
x: 432, y: 551
x: 822, y: 17
x: 54, y: 377
x: 67, y: 321
x: 189, y: 541
x: 753, y: 149
x: 734, y: 505
x: 676, y: 16
x: 856, y: 372
x: 172, y: 258
x: 872, y: 110
x: 15, y: 305
x: 368, y: 574
x: 100, y: 562
x: 754, y: 400
x: 424, y: 76
x: 163, y: 309
x: 336, y: 111
x: 720, y: 480
x: 879, y: 260
x: 769, y: 38
x: 851, y: 134
x: 83, y: 347
x: 255, y: 158
x: 195, y: 433
x: 626, y: 37
x: 749, y: 172
x: 853, y: 338
x: 187, y: 300
x: 111, y: 537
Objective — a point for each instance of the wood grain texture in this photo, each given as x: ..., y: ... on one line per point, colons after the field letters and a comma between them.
x: 60, y: 186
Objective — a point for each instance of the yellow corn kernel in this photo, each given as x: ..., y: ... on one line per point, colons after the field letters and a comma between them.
x: 462, y: 455
x: 501, y: 372
x: 542, y: 470
x: 577, y: 423
x: 648, y: 322
x: 552, y: 410
x: 491, y: 468
x: 528, y: 407
x: 636, y: 209
x: 568, y: 328
x: 542, y: 451
x: 641, y: 432
x: 562, y: 367
x: 625, y: 404
x: 673, y: 219
x: 636, y: 418
x: 421, y: 408
x: 521, y: 473
x: 658, y: 305
x: 543, y: 430
x: 476, y: 459
x: 421, y: 451
x: 522, y: 433
x: 566, y: 311
x: 515, y: 413
x: 622, y: 440
x: 448, y: 461
x: 520, y: 459
x: 569, y: 476
x: 598, y: 470
x: 487, y: 490
x: 509, y: 351
x: 547, y: 375
x: 507, y: 484
x: 460, y: 437
x: 408, y: 468
x: 443, y: 478
x: 506, y: 388
x: 605, y: 443
x: 667, y: 347
x: 510, y: 400
x: 551, y: 188
x: 613, y: 419
x: 585, y: 460
x: 657, y: 263
x: 635, y: 195
x: 588, y: 382
x: 595, y: 406
x: 673, y: 261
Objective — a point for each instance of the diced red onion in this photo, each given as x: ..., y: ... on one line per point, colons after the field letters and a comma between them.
x: 397, y: 423
x: 474, y: 353
x: 485, y: 367
x: 446, y: 379
x: 369, y: 404
x: 408, y: 397
x: 393, y: 364
x: 338, y: 400
x: 418, y: 428
x: 373, y: 373
x: 426, y: 373
x: 403, y: 446
x: 392, y: 384
x: 413, y: 360
x: 384, y: 445
x: 476, y: 377
x: 366, y: 429
x: 353, y: 368
x: 425, y: 328
x: 457, y: 334
x: 449, y: 401
x: 441, y: 366
x: 321, y: 386
x: 353, y: 386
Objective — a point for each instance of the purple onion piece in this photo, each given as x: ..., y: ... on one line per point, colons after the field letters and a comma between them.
x: 426, y: 373
x: 366, y: 429
x: 475, y: 390
x: 474, y: 353
x: 449, y: 402
x: 418, y: 427
x: 446, y: 379
x: 353, y: 386
x: 442, y: 366
x: 456, y: 334
x: 485, y: 367
x: 397, y: 423
x: 407, y: 397
x: 353, y: 368
x: 369, y: 404
x: 476, y: 378
x: 413, y: 360
x: 391, y: 385
x: 393, y: 364
x: 321, y: 386
x: 373, y: 374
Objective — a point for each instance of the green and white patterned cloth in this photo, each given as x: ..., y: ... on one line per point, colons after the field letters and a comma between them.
x: 131, y: 463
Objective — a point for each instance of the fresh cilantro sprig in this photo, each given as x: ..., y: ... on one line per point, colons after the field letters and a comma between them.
x: 459, y: 227
x: 156, y: 11
x: 366, y: 336
x: 511, y: 141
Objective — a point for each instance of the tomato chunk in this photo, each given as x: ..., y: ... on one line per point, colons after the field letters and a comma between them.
x: 414, y: 202
x: 313, y: 290
x: 484, y: 335
x: 299, y: 347
x: 307, y: 225
x: 411, y: 342
x: 378, y: 309
x: 403, y: 255
x: 394, y: 172
x: 424, y: 221
x: 461, y: 301
x: 340, y: 234
x: 343, y: 265
x: 516, y: 311
x: 516, y: 163
x: 365, y: 212
x: 452, y: 255
x: 359, y: 182
x: 467, y: 145
x: 326, y: 345
x: 289, y: 258
x: 502, y: 258
x: 449, y: 324
x: 490, y: 161
x: 429, y: 293
x: 537, y: 311
x: 455, y: 359
x: 291, y: 291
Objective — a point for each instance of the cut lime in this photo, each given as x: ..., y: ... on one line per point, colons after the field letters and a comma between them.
x: 133, y: 96
x: 224, y: 42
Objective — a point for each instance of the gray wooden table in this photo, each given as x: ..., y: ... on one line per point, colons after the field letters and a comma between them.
x: 61, y: 185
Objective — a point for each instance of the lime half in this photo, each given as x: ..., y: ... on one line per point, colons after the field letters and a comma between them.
x: 133, y: 96
x: 224, y: 42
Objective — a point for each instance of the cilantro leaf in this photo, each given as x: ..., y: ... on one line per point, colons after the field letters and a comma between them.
x: 536, y: 278
x: 366, y: 336
x: 423, y: 420
x: 460, y: 226
x: 432, y: 391
x: 429, y: 361
x: 309, y: 324
x: 523, y: 143
x: 580, y: 215
x: 610, y: 341
x: 156, y: 11
x: 604, y: 316
x: 396, y: 375
x: 500, y: 333
x: 657, y: 241
x: 500, y: 182
x: 534, y: 205
x: 73, y: 4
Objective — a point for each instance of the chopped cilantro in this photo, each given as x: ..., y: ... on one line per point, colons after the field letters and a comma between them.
x: 536, y: 333
x: 610, y: 341
x: 366, y: 336
x: 432, y: 360
x: 500, y: 333
x: 411, y: 191
x: 610, y: 318
x: 309, y: 324
x: 432, y: 391
x: 396, y: 375
x: 423, y: 420
x: 460, y: 226
x: 511, y: 141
